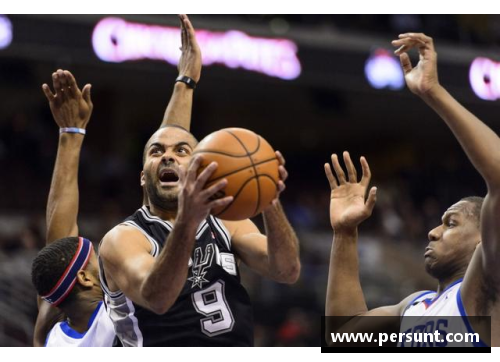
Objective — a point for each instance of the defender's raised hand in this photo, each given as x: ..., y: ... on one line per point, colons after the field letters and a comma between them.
x: 348, y: 207
x: 423, y: 78
x: 190, y: 61
x: 70, y: 106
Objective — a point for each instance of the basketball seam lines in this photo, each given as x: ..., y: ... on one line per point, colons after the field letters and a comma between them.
x: 243, y: 169
x: 253, y: 165
x: 230, y: 155
x: 243, y: 186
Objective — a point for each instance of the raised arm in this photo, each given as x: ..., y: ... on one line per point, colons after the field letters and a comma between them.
x: 481, y: 286
x: 155, y: 283
x: 71, y: 108
x: 349, y: 207
x: 178, y: 111
x: 274, y: 255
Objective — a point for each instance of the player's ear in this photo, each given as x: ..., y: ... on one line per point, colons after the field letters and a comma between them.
x: 84, y: 278
x: 143, y: 181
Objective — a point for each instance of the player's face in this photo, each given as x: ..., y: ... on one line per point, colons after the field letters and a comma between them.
x: 167, y: 150
x: 452, y: 243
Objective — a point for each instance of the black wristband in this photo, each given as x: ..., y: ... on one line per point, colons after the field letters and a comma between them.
x: 189, y: 81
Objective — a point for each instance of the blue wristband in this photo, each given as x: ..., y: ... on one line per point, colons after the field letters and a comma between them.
x: 72, y: 130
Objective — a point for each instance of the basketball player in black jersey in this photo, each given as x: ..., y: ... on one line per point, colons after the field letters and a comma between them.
x: 171, y: 271
x: 467, y: 244
x: 72, y: 108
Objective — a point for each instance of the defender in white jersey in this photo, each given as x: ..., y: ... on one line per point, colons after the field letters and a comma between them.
x: 463, y: 252
x: 65, y: 273
x: 100, y: 332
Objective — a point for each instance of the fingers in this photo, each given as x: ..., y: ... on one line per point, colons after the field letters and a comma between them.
x: 413, y: 40
x: 193, y: 169
x: 330, y: 177
x: 46, y: 90
x: 190, y: 32
x: 71, y: 85
x: 205, y: 175
x: 86, y: 93
x: 212, y: 190
x: 419, y: 37
x: 351, y: 170
x: 63, y: 83
x: 338, y: 170
x: 367, y: 174
x: 56, y: 84
x: 372, y: 199
x: 405, y: 63
x: 221, y: 202
x: 281, y: 187
x: 184, y: 39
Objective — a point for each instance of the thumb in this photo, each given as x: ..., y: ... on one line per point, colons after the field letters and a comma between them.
x: 86, y: 93
x: 405, y: 63
x: 372, y: 199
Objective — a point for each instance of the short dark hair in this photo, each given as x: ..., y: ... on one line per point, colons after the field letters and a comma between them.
x: 474, y: 210
x: 168, y: 125
x: 50, y: 264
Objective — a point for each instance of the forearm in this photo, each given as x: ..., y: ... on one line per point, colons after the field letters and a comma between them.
x: 178, y: 111
x: 62, y: 205
x: 344, y: 296
x: 479, y: 142
x: 165, y: 281
x: 282, y: 246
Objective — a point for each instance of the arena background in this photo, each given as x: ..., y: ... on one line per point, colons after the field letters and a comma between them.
x: 330, y: 107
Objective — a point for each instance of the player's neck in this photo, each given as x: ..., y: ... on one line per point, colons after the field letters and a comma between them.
x: 163, y: 214
x: 79, y: 314
x: 446, y: 282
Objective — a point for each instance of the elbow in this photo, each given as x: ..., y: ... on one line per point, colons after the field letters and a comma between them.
x: 155, y: 302
x: 290, y: 275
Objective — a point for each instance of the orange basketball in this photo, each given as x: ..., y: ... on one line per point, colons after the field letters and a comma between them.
x: 250, y: 166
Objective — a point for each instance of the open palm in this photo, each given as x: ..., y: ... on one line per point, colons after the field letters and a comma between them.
x: 348, y: 207
x: 70, y: 106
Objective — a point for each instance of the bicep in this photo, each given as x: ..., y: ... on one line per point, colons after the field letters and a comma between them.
x: 127, y: 262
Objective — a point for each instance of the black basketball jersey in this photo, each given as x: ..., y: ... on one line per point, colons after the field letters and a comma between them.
x: 213, y: 308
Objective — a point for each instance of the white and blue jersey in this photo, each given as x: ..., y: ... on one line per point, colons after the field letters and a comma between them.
x: 430, y: 312
x: 101, y: 332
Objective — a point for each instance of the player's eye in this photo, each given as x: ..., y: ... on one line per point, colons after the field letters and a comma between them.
x: 183, y: 150
x: 155, y: 151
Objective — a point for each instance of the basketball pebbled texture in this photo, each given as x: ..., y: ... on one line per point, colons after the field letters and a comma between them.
x: 249, y: 164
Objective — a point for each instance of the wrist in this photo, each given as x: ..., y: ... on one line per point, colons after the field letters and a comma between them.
x: 185, y: 223
x: 71, y: 138
x: 188, y: 81
x: 272, y: 209
x: 182, y: 87
x: 345, y: 231
x: 73, y: 130
x: 433, y: 94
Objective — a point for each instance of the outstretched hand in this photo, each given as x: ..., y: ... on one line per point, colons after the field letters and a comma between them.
x: 190, y: 61
x: 423, y: 78
x: 70, y: 106
x: 348, y: 207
